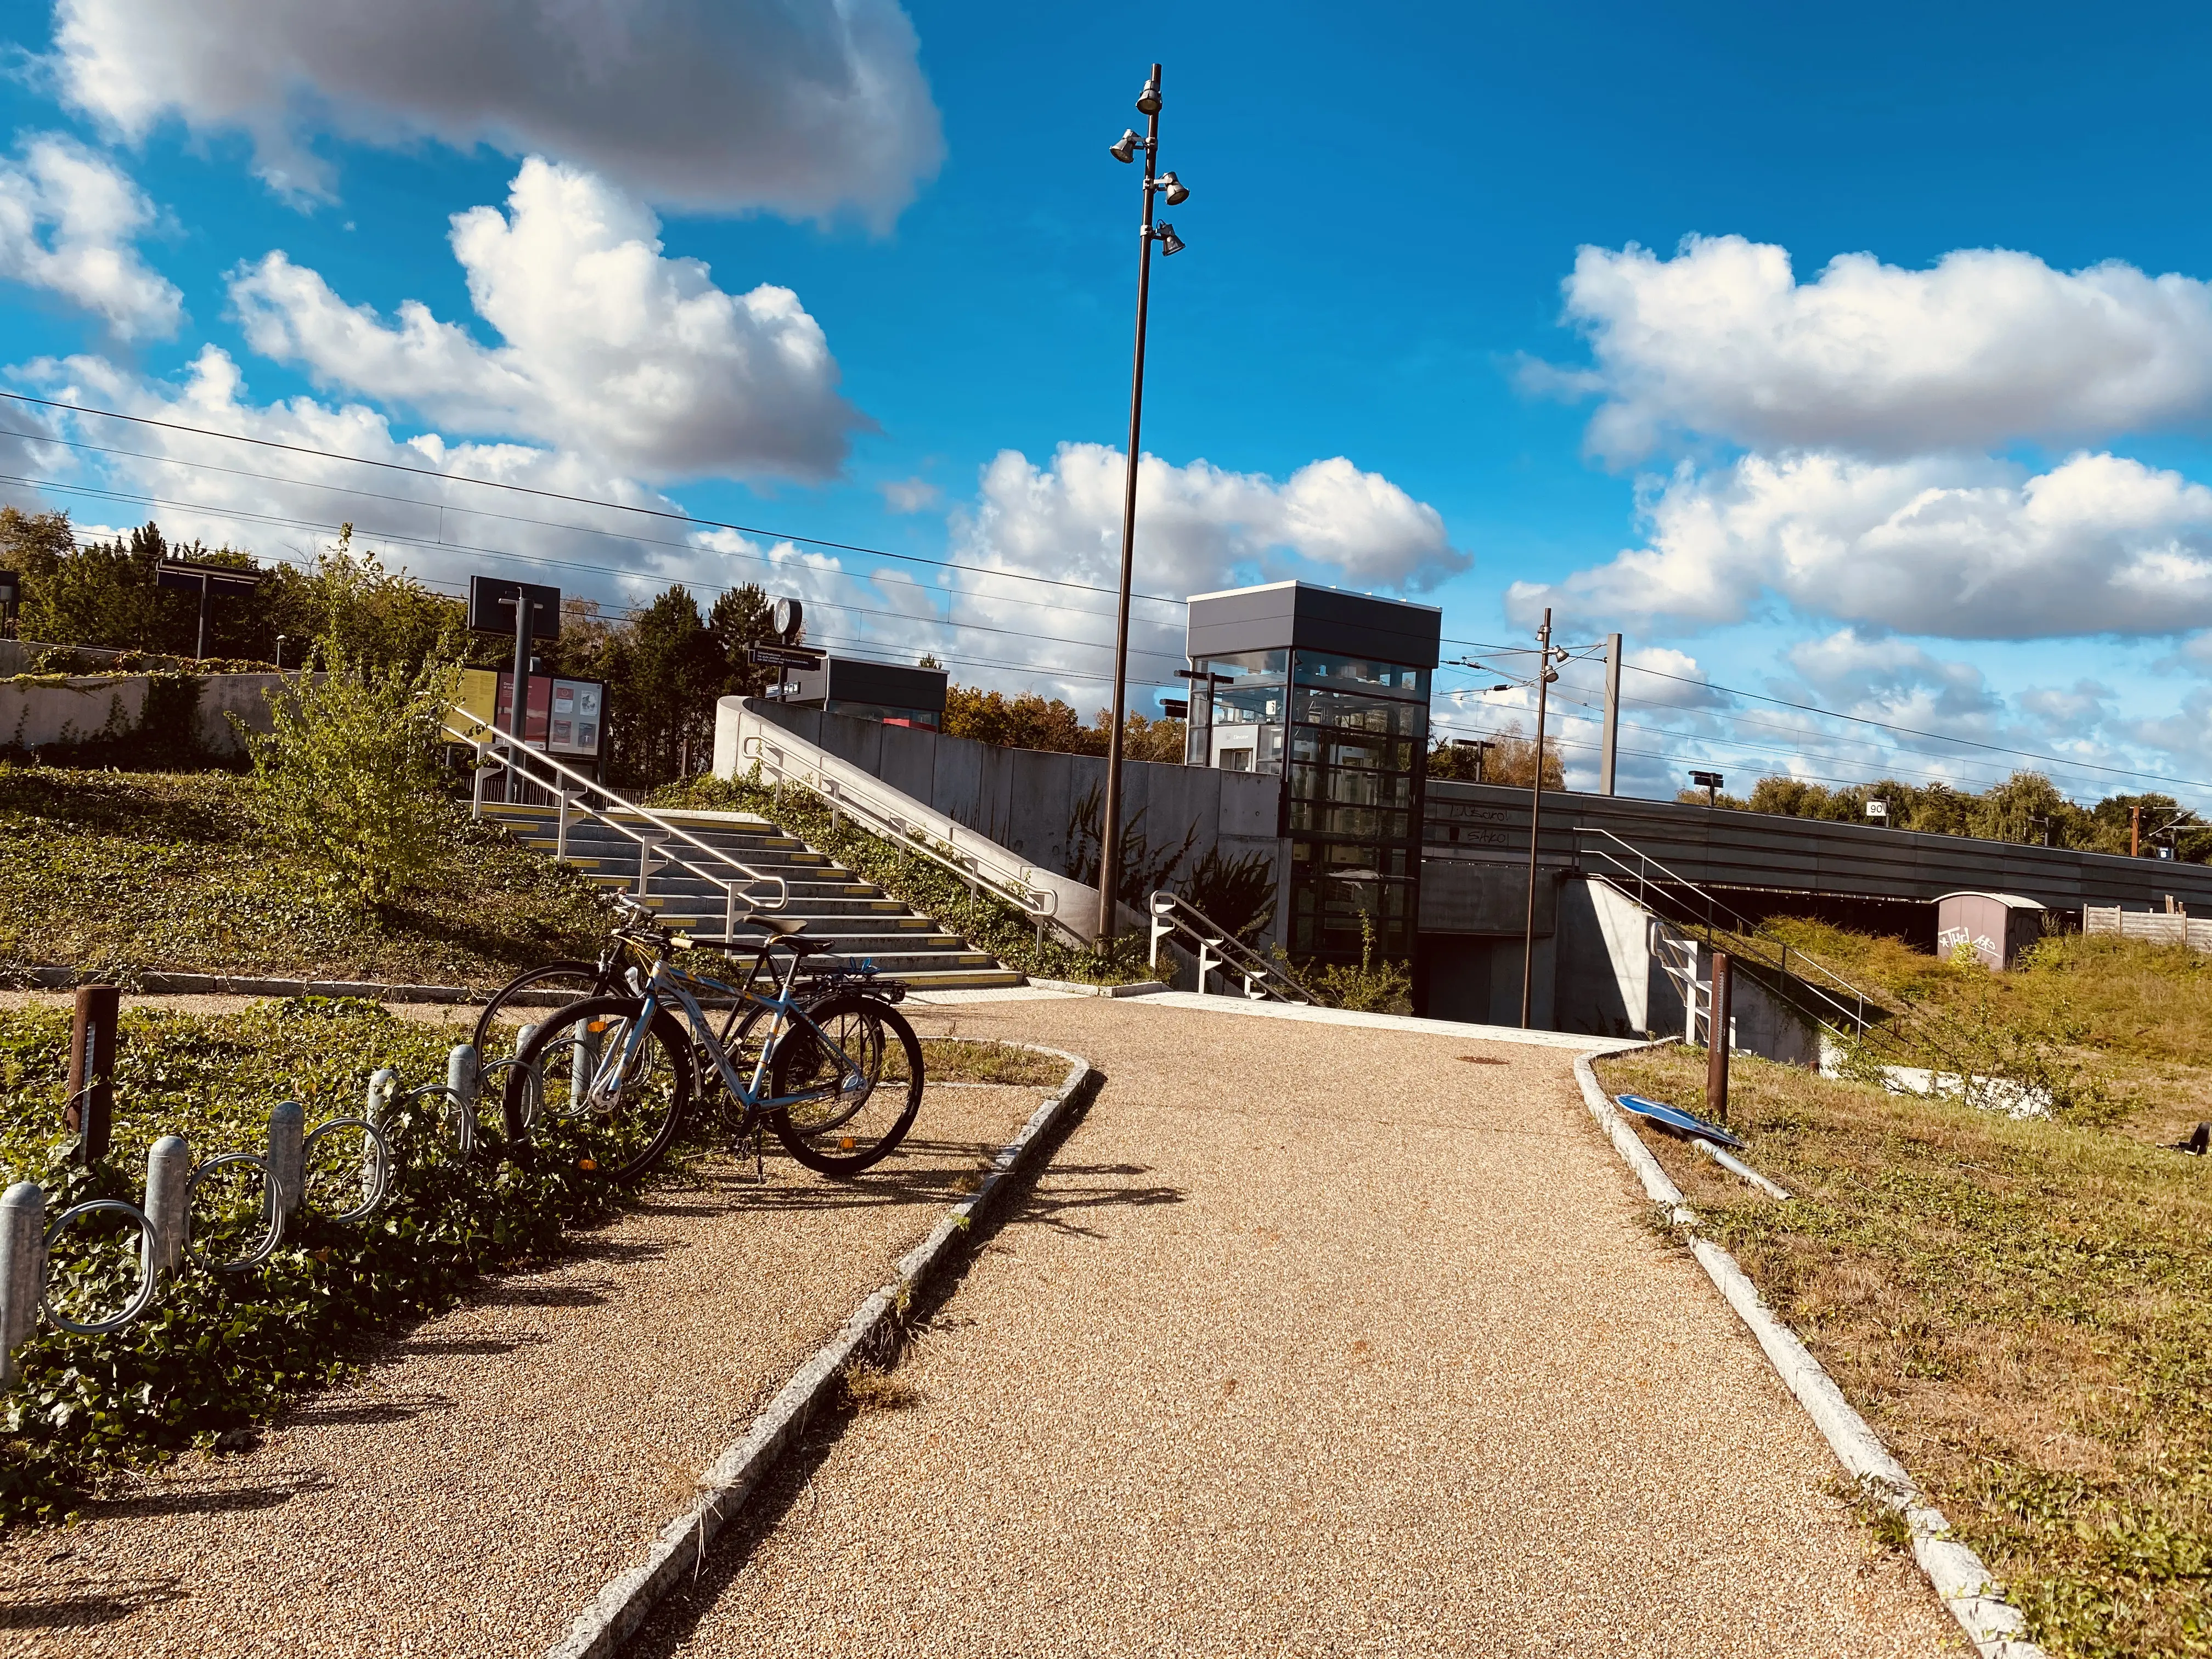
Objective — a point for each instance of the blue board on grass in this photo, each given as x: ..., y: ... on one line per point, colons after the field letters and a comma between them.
x: 1669, y: 1117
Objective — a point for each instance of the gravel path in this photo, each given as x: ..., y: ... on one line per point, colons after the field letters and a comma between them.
x: 502, y: 1461
x: 1313, y: 1339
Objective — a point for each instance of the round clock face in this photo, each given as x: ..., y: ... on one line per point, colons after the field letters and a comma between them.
x: 786, y: 618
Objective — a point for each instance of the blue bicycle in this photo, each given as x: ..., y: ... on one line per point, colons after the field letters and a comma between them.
x: 611, y: 1080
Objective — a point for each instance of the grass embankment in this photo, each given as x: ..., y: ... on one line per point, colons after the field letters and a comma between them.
x: 112, y: 872
x: 221, y: 1351
x: 986, y: 923
x: 2022, y: 1309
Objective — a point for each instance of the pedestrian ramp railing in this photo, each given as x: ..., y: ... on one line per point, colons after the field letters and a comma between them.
x: 228, y: 1213
x: 1703, y: 919
x: 1177, y: 922
x: 663, y: 844
x: 1056, y: 905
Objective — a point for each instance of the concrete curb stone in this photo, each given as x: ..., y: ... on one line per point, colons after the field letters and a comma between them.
x: 623, y: 1605
x: 160, y: 983
x: 1961, y: 1582
x: 1143, y: 987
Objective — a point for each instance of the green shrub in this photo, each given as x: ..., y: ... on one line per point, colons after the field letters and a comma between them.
x: 1369, y: 988
x: 349, y: 775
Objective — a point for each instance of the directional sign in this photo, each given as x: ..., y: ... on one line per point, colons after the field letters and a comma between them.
x: 782, y: 656
x: 491, y: 607
x: 190, y: 578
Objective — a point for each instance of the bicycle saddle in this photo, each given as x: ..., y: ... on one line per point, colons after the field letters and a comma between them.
x: 788, y: 928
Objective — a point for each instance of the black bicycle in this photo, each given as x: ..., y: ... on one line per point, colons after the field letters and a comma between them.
x: 837, y: 1073
x: 556, y: 984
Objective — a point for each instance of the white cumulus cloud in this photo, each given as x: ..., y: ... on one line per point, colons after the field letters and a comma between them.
x: 1199, y: 525
x: 68, y: 220
x: 1966, y: 549
x: 797, y: 106
x: 611, y: 348
x: 1986, y: 347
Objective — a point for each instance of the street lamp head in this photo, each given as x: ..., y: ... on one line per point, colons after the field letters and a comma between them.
x: 1125, y: 148
x: 1170, y: 242
x: 1177, y: 193
x: 1148, y: 100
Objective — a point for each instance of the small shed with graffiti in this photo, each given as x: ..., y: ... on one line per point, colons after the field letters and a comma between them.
x: 1995, y: 927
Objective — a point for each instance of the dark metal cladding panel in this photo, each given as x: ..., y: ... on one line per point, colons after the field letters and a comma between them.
x: 1284, y: 615
x: 1248, y: 619
x: 1720, y: 849
x: 1357, y: 625
x: 851, y: 680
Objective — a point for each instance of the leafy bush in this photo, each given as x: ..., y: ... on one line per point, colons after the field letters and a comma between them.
x: 350, y: 773
x: 221, y: 1351
x: 1369, y: 987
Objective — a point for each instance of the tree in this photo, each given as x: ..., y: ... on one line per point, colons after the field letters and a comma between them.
x: 739, y: 621
x: 664, y: 671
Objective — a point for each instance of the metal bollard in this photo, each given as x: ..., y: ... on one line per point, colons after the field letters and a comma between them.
x: 464, y: 1080
x: 382, y: 1086
x: 288, y: 1156
x: 463, y: 1076
x: 22, y: 1268
x: 92, y: 1070
x: 168, y: 1200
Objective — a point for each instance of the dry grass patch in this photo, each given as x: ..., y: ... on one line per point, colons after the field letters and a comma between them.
x: 961, y: 1060
x: 2022, y: 1309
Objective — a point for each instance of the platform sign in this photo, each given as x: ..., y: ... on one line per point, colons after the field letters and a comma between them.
x: 783, y: 656
x: 491, y: 607
x: 561, y: 716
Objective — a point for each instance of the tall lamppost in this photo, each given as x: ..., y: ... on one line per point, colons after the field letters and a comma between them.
x: 1125, y: 149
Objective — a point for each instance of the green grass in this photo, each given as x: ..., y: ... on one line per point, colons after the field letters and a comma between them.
x: 221, y: 1351
x: 116, y: 872
x: 2023, y: 1310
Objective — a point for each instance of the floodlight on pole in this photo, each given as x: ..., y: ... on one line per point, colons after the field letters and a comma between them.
x: 1125, y: 149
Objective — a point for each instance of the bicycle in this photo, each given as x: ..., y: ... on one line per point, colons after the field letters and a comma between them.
x: 615, y: 1075
x: 608, y: 975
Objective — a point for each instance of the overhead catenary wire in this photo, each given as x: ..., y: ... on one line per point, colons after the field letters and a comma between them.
x: 557, y: 495
x: 2059, y: 762
x: 873, y: 579
x: 548, y: 561
x: 672, y: 516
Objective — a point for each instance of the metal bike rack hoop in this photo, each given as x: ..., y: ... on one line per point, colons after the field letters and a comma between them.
x: 148, y: 1278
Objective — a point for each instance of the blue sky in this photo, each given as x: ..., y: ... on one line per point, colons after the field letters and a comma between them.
x: 1902, y: 491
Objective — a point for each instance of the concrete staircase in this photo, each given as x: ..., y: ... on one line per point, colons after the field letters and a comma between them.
x: 866, y: 924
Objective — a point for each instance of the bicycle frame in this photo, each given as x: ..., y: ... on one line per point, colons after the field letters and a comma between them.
x: 667, y: 981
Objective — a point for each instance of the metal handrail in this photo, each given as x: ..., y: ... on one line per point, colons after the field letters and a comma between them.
x: 1719, y: 918
x: 972, y: 861
x: 1173, y: 913
x: 519, y: 756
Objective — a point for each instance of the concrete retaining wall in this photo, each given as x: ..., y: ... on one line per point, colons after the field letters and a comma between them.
x: 50, y: 713
x: 1026, y: 799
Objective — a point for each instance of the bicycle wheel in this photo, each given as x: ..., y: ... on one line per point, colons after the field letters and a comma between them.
x: 850, y: 1075
x: 581, y: 979
x: 607, y: 1105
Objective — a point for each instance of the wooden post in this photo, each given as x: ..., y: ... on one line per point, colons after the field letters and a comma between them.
x: 91, y: 1105
x: 1717, y: 1042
